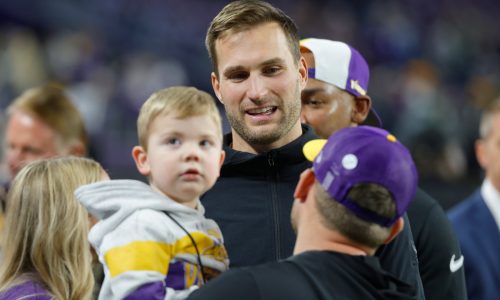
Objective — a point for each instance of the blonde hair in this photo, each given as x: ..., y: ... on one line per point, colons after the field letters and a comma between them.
x: 46, y: 228
x: 51, y: 105
x: 242, y: 15
x: 183, y: 102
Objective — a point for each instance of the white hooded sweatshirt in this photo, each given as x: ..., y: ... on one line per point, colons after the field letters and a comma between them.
x: 145, y: 253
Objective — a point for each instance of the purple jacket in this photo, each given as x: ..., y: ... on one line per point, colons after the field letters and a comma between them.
x: 31, y: 290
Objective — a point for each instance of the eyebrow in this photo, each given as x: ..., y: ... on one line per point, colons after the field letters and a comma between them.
x: 312, y: 91
x: 272, y: 61
x: 175, y: 133
x: 165, y: 134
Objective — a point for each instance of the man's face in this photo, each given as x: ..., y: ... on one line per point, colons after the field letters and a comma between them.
x: 325, y: 107
x: 27, y: 139
x: 488, y: 152
x: 259, y: 85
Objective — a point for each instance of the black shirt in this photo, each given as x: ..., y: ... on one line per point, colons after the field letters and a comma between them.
x: 310, y: 275
x: 437, y: 245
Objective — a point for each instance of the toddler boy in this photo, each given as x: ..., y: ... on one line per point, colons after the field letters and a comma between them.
x: 154, y: 241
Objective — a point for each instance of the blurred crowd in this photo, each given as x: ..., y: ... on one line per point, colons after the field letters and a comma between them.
x: 435, y: 64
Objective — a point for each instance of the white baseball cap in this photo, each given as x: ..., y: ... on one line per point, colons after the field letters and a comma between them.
x: 341, y: 65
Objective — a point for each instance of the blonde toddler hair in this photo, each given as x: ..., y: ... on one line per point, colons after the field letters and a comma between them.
x: 181, y: 101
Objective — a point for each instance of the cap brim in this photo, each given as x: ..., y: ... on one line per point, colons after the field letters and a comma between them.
x: 312, y: 148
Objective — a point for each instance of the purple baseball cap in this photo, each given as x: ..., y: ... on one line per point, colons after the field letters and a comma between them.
x: 341, y: 65
x: 364, y: 154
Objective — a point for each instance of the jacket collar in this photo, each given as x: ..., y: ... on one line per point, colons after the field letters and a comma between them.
x: 290, y: 152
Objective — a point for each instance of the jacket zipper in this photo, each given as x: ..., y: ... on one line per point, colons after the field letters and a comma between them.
x: 275, y: 202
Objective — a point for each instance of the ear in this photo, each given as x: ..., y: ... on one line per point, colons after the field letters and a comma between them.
x: 216, y: 86
x: 304, y: 185
x: 481, y: 156
x: 362, y: 106
x: 396, y: 228
x: 77, y: 149
x: 303, y: 72
x: 221, y: 160
x: 141, y: 160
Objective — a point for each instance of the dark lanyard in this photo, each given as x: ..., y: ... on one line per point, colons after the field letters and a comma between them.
x: 194, y: 244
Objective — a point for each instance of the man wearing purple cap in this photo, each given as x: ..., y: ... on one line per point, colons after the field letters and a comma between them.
x: 336, y: 97
x: 347, y: 205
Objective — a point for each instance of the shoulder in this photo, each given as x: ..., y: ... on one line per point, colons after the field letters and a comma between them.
x: 277, y: 280
x: 233, y: 284
x: 421, y: 209
x: 144, y: 218
x: 431, y: 229
x: 26, y: 290
x: 157, y: 225
x: 422, y: 201
x: 142, y: 224
x: 427, y: 218
x: 461, y: 212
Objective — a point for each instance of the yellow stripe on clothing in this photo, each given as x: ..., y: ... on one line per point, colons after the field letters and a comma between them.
x: 156, y: 256
x: 139, y: 255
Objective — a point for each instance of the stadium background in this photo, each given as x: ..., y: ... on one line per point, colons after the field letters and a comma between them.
x: 434, y: 64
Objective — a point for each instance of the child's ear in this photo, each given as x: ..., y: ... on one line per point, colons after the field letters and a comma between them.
x: 222, y: 156
x: 221, y: 160
x: 141, y: 160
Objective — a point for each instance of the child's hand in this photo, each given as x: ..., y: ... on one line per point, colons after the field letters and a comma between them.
x: 210, y: 273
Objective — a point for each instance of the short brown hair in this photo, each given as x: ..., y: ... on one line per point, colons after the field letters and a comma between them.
x: 242, y: 15
x: 370, y: 196
x: 180, y: 100
x: 51, y: 105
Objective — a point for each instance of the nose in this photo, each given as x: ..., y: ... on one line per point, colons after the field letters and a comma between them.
x: 192, y: 152
x: 256, y: 89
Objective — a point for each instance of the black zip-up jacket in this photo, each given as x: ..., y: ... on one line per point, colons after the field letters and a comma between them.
x: 252, y: 200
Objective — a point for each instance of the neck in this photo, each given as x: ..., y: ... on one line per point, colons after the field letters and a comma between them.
x: 191, y: 203
x: 326, y: 240
x: 494, y: 183
x: 240, y: 144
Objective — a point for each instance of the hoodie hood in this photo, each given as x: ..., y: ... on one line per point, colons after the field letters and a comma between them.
x: 113, y: 201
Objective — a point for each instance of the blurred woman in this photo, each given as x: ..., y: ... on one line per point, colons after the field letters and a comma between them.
x: 45, y: 252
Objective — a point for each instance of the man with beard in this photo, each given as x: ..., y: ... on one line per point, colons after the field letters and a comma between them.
x: 258, y: 76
